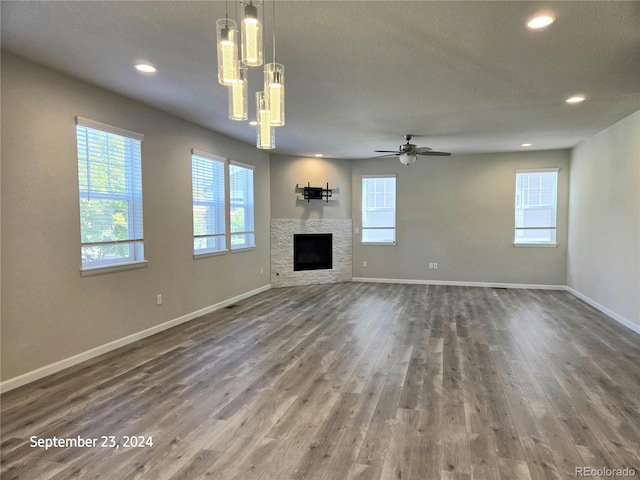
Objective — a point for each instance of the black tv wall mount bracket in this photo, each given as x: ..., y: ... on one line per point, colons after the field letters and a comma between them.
x: 316, y: 193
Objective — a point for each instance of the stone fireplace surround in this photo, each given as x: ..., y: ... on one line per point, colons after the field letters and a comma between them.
x: 282, y: 231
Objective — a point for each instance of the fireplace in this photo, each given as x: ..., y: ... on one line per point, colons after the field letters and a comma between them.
x: 283, y: 253
x: 312, y: 251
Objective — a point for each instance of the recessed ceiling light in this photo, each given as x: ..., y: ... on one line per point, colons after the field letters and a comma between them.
x: 525, y: 145
x: 541, y: 20
x: 145, y: 68
x: 319, y: 155
x: 575, y: 99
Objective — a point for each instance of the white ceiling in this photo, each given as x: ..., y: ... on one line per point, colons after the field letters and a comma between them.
x: 464, y: 76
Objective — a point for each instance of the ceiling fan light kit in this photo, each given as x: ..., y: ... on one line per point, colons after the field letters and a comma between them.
x: 233, y: 72
x: 407, y: 158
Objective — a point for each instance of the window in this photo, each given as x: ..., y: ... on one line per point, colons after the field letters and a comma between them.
x: 536, y: 206
x: 110, y: 186
x: 379, y: 209
x: 207, y: 182
x: 241, y: 205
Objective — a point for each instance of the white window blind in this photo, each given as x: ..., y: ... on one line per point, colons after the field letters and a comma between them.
x: 536, y: 206
x: 208, y: 185
x: 110, y: 187
x: 241, y: 206
x: 379, y: 209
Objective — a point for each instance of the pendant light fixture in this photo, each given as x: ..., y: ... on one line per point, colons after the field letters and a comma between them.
x: 251, y: 35
x: 274, y: 82
x: 233, y: 71
x: 226, y: 36
x: 274, y: 86
x: 266, y: 139
x: 238, y: 95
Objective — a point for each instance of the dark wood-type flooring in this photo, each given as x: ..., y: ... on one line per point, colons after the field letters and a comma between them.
x: 348, y: 381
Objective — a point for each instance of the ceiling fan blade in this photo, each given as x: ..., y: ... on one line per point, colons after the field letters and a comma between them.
x: 435, y: 154
x: 387, y: 155
x: 422, y: 149
x: 388, y: 151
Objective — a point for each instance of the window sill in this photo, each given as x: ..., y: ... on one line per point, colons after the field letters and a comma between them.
x: 197, y: 256
x: 102, y: 269
x: 543, y: 245
x: 393, y: 244
x: 242, y: 249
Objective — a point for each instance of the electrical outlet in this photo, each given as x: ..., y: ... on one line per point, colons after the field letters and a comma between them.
x: 430, y: 266
x: 357, y: 229
x: 435, y: 266
x: 261, y: 270
x: 364, y: 264
x: 159, y: 299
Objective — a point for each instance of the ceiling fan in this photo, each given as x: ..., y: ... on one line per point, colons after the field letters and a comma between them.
x: 408, y: 152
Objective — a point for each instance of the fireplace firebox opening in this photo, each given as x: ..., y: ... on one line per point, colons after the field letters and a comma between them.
x: 312, y: 251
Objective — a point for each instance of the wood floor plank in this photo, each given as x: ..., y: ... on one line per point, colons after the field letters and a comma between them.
x: 536, y: 449
x: 399, y: 459
x: 482, y: 442
x: 352, y: 381
x: 375, y: 445
x: 514, y: 469
x: 455, y: 443
x: 429, y: 444
x: 197, y: 466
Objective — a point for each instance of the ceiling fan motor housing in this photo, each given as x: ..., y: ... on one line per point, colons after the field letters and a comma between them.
x: 407, y: 147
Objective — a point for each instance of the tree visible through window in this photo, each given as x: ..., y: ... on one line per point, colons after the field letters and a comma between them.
x: 241, y: 206
x: 110, y: 188
x: 207, y: 174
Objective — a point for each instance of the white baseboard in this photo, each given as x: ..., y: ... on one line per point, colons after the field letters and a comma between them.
x: 460, y: 284
x: 42, y: 372
x: 618, y: 318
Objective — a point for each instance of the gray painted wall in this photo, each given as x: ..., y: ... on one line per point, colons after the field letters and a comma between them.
x: 287, y: 171
x: 458, y: 211
x: 604, y: 220
x: 49, y: 312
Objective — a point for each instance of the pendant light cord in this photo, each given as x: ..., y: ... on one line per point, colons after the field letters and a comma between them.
x: 274, y: 31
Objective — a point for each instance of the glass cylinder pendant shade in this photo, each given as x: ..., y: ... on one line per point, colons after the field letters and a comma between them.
x: 251, y: 37
x: 227, y: 35
x: 265, y: 131
x: 238, y: 109
x: 274, y: 86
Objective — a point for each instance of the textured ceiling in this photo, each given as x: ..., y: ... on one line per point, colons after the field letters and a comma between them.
x: 463, y: 76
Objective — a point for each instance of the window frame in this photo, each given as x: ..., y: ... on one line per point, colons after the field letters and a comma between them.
x: 133, y: 197
x: 211, y: 251
x: 247, y: 232
x: 519, y: 208
x: 363, y: 205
